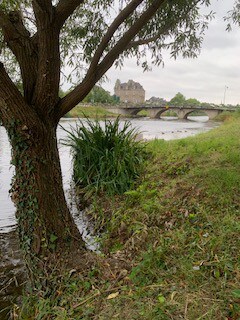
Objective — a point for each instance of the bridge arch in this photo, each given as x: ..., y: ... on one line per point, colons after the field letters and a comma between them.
x: 157, y: 114
x: 134, y: 112
x: 196, y: 113
x: 211, y: 113
x: 167, y: 112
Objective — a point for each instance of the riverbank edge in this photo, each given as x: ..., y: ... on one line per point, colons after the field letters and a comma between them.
x: 13, y: 274
x: 90, y: 111
x: 169, y: 247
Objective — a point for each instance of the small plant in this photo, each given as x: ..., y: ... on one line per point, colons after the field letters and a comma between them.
x: 106, y: 157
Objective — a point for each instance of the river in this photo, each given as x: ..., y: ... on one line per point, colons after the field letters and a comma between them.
x: 10, y: 264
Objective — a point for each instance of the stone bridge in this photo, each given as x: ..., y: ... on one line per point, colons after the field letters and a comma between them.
x: 155, y: 112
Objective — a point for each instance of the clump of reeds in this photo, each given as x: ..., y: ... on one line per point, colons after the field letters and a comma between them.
x: 106, y: 156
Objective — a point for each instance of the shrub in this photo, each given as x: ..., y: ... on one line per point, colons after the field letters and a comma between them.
x: 105, y: 157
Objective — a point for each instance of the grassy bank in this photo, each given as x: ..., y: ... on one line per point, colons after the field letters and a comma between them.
x: 170, y: 247
x: 82, y: 111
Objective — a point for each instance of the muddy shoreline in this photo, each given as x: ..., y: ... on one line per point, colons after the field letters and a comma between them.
x: 12, y: 273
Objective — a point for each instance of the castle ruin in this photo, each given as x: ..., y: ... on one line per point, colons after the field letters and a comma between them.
x: 129, y: 92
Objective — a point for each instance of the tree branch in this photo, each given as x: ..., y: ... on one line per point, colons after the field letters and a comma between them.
x: 124, y: 42
x: 48, y: 77
x: 44, y: 5
x: 43, y: 11
x: 7, y: 26
x: 12, y: 104
x: 124, y: 14
x: 141, y: 42
x: 20, y: 43
x: 64, y: 9
x: 74, y: 97
x: 164, y: 30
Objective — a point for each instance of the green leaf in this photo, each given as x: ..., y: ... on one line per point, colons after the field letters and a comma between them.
x: 53, y: 238
x: 236, y: 293
x: 161, y: 299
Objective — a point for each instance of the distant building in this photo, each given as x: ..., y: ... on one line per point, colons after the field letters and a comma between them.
x: 131, y: 92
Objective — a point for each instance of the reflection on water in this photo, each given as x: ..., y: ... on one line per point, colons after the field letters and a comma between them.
x: 7, y: 218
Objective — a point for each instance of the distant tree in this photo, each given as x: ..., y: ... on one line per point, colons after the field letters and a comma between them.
x: 208, y: 104
x: 99, y: 95
x: 156, y: 100
x: 178, y: 100
x: 192, y: 102
x: 116, y: 99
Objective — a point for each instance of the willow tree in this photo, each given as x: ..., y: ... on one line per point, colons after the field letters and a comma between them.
x: 38, y: 38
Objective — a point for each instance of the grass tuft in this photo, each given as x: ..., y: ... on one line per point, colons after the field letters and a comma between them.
x: 107, y: 157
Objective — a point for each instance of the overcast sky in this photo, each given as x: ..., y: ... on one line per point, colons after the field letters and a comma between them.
x: 204, y: 78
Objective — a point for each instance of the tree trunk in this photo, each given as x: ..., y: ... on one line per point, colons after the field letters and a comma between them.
x: 46, y: 228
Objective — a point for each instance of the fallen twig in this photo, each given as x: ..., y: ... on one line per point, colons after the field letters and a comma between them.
x: 96, y: 295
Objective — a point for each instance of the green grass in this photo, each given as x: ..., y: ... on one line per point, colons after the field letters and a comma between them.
x: 169, y: 113
x: 170, y: 247
x: 227, y: 116
x: 198, y: 113
x: 142, y: 113
x: 89, y: 112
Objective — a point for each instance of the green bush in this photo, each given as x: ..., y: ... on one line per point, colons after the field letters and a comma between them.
x: 105, y: 157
